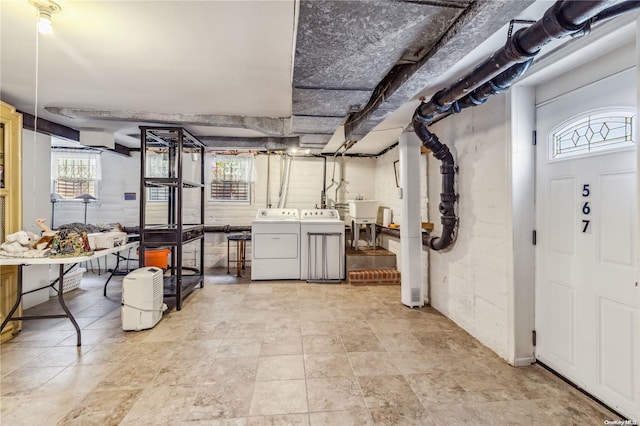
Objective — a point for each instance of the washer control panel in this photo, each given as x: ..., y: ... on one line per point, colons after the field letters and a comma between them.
x: 329, y: 214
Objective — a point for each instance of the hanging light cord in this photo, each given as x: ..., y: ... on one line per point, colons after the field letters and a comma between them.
x: 35, y: 112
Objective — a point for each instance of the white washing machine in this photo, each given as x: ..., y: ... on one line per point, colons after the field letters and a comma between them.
x: 322, y: 246
x: 275, y: 245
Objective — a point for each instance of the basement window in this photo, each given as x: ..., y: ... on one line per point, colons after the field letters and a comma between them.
x: 157, y: 165
x: 229, y: 177
x: 75, y: 173
x: 158, y: 194
x: 593, y: 133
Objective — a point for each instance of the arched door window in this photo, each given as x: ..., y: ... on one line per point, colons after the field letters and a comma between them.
x: 592, y: 133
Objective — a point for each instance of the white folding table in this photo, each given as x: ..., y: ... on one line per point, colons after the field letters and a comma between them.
x: 62, y: 261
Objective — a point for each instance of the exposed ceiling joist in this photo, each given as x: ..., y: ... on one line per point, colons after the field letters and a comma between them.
x: 263, y: 144
x: 50, y: 128
x: 268, y: 125
x: 405, y: 80
x: 47, y: 127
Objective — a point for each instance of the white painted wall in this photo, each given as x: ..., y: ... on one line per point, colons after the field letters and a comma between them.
x: 305, y: 187
x: 469, y: 282
x: 368, y: 177
x: 36, y: 162
x: 485, y: 282
x: 121, y: 174
x: 387, y: 194
x: 386, y: 189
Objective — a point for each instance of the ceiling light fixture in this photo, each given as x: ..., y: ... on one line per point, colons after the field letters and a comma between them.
x: 45, y: 8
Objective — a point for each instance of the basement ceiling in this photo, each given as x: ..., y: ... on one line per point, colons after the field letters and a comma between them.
x: 243, y: 74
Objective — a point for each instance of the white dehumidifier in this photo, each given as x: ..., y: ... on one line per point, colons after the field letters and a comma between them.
x: 142, y: 293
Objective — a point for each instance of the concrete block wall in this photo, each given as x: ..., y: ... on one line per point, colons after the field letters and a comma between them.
x: 360, y: 177
x: 304, y: 192
x: 35, y: 205
x: 469, y: 282
x: 121, y: 174
x: 372, y: 178
x: 386, y: 189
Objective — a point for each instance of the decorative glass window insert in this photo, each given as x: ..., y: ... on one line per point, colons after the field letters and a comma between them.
x: 230, y: 177
x: 75, y: 172
x: 593, y: 133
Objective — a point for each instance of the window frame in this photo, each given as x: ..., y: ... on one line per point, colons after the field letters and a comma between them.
x: 212, y: 158
x: 92, y: 185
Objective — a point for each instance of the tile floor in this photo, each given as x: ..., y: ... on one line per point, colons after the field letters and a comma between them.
x: 272, y: 353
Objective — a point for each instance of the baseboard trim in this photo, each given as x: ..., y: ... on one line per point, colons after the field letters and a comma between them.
x: 523, y: 362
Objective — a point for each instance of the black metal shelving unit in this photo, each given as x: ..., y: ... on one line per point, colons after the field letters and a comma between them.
x: 174, y: 145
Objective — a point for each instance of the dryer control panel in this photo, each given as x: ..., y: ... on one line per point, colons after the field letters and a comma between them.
x: 284, y: 214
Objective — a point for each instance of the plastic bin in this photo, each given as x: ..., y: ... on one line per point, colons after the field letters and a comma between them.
x: 71, y: 281
x: 157, y: 257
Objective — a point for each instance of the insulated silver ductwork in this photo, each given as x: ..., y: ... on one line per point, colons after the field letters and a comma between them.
x: 282, y: 201
x: 495, y: 75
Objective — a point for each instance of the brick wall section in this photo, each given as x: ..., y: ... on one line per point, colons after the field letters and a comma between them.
x: 375, y: 277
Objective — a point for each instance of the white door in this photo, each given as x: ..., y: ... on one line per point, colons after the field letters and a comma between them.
x: 586, y: 290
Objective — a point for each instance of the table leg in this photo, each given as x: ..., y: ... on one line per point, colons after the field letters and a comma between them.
x: 18, y: 299
x: 373, y: 234
x: 113, y: 271
x: 244, y: 254
x: 64, y: 306
x: 228, y: 254
x: 356, y: 235
x: 239, y: 258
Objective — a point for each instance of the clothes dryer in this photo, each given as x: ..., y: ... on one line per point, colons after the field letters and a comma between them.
x: 275, y: 245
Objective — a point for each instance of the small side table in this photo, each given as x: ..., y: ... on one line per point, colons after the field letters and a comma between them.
x: 241, y: 251
x: 370, y: 227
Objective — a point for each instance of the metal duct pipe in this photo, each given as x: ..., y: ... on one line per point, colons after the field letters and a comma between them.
x: 285, y: 183
x: 342, y: 181
x: 440, y: 151
x: 346, y: 145
x: 227, y: 228
x: 268, y: 179
x: 448, y: 196
x: 323, y: 196
x: 562, y: 19
x: 499, y: 84
x: 333, y: 182
x: 396, y: 234
x: 495, y: 75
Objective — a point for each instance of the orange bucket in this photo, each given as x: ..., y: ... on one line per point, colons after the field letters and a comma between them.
x: 157, y: 257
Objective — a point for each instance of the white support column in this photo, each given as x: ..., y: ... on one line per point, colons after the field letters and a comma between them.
x: 638, y: 200
x: 410, y: 232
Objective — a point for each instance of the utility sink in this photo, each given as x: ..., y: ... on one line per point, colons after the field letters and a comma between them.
x: 363, y: 209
